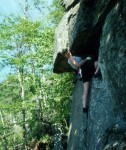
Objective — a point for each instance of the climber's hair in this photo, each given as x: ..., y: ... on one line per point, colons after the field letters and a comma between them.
x: 64, y: 51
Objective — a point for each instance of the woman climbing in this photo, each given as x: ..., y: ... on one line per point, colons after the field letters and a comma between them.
x: 89, y: 68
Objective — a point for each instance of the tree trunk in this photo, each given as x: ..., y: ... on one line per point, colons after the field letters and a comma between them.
x: 4, y: 134
x: 22, y: 95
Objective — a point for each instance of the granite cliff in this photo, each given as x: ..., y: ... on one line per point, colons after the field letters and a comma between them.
x: 96, y: 27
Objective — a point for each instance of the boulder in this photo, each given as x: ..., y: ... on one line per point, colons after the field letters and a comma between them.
x: 97, y: 28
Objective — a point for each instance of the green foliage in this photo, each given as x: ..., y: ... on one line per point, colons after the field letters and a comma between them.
x: 33, y: 98
x: 56, y: 12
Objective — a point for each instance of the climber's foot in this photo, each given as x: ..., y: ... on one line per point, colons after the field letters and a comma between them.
x: 85, y: 110
x: 98, y: 74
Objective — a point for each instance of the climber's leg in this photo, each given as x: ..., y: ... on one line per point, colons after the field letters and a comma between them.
x: 96, y: 67
x: 86, y: 95
x: 97, y: 70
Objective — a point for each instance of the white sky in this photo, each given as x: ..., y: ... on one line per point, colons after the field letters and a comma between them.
x: 9, y: 6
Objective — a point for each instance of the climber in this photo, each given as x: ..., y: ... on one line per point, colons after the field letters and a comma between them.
x: 89, y: 68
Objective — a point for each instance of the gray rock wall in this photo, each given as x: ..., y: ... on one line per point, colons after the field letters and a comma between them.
x: 112, y: 55
x: 105, y: 126
x: 87, y: 130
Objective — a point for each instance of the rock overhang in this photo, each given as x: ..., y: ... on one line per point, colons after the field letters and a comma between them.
x: 79, y: 33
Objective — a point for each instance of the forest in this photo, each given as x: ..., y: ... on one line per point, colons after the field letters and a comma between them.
x: 35, y: 103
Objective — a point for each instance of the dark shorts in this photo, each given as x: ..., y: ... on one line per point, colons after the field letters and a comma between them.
x: 88, y: 70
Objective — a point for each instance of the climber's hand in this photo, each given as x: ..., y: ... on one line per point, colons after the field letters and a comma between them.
x: 88, y: 58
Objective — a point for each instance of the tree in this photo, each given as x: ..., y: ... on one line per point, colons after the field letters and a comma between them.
x: 33, y: 98
x: 56, y: 12
x: 20, y: 38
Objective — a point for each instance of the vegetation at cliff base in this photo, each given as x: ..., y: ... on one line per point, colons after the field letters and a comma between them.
x: 35, y: 102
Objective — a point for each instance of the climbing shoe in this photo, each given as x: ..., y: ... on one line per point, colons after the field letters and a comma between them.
x: 85, y: 110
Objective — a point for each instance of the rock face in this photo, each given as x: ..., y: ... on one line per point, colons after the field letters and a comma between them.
x: 97, y: 28
x: 80, y: 29
x: 103, y: 127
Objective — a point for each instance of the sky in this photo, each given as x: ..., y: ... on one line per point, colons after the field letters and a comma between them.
x: 13, y: 6
x: 8, y: 7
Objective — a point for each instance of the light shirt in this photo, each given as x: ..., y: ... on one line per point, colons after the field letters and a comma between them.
x: 77, y: 59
